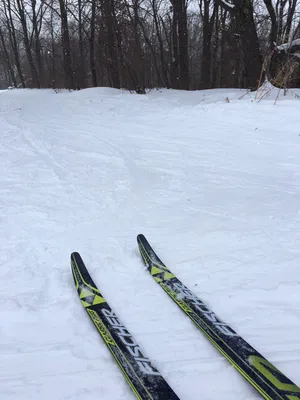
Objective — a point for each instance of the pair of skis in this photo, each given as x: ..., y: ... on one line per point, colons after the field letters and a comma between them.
x: 143, y: 378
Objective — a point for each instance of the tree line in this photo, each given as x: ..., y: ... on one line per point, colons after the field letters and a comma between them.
x: 138, y: 44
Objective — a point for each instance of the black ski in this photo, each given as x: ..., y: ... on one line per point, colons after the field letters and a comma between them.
x: 143, y: 378
x: 265, y: 377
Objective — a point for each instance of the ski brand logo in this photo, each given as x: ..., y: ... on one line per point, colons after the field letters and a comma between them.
x: 130, y: 343
x: 185, y: 294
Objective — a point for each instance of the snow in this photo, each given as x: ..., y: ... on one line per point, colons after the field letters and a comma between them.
x: 228, y: 4
x: 287, y: 46
x: 214, y: 186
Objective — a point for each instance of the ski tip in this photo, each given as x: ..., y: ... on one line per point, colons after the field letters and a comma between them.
x: 140, y: 236
x: 75, y: 255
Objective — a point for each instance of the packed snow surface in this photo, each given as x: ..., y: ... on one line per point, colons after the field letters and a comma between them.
x: 212, y: 178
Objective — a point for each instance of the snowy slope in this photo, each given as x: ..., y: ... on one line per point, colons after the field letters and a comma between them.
x: 215, y: 187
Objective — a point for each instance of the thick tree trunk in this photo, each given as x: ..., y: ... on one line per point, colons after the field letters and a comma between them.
x: 68, y: 71
x: 208, y: 24
x: 216, y: 51
x: 163, y: 62
x: 222, y: 49
x: 92, y: 45
x: 250, y: 44
x: 175, y: 60
x: 111, y: 46
x: 180, y: 64
x: 52, y: 79
x: 246, y: 34
x: 81, y: 82
x: 36, y: 30
x: 183, y: 47
x: 34, y: 73
x: 139, y: 54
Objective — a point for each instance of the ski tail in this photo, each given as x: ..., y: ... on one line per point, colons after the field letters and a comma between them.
x: 143, y: 378
x: 257, y: 370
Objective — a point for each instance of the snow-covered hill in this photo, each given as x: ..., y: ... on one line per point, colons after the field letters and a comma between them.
x: 215, y: 186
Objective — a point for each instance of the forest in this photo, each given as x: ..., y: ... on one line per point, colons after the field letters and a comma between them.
x: 142, y: 44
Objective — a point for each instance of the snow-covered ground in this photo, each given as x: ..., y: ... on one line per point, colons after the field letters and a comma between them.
x: 215, y: 187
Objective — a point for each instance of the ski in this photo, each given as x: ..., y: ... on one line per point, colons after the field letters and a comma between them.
x: 143, y: 378
x: 265, y: 377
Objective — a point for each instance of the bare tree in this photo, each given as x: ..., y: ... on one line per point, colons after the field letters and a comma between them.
x: 7, y: 59
x: 274, y: 28
x: 145, y: 43
x: 36, y: 20
x: 92, y: 44
x: 67, y: 63
x: 180, y: 65
x: 9, y: 21
x: 109, y: 42
x: 242, y: 14
x: 208, y: 23
x: 27, y: 43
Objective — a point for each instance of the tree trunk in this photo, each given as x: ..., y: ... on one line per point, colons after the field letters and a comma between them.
x: 175, y: 60
x: 250, y: 45
x: 40, y: 65
x: 53, y: 63
x: 13, y: 41
x: 68, y: 71
x: 208, y: 24
x: 216, y: 51
x: 81, y: 83
x: 280, y: 15
x: 111, y: 48
x: 34, y: 74
x: 291, y: 12
x: 272, y: 13
x: 222, y: 49
x: 184, y: 79
x: 163, y: 62
x: 245, y: 33
x: 139, y: 54
x: 92, y: 45
x: 7, y: 59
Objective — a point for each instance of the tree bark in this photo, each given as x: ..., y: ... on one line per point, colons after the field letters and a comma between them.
x: 7, y: 59
x: 245, y: 32
x: 81, y: 83
x: 36, y: 30
x: 68, y: 71
x: 13, y: 41
x: 184, y: 79
x: 22, y: 16
x: 250, y: 44
x: 163, y: 62
x: 92, y: 45
x: 291, y: 12
x: 111, y: 47
x: 175, y: 60
x: 208, y: 24
x: 274, y: 30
